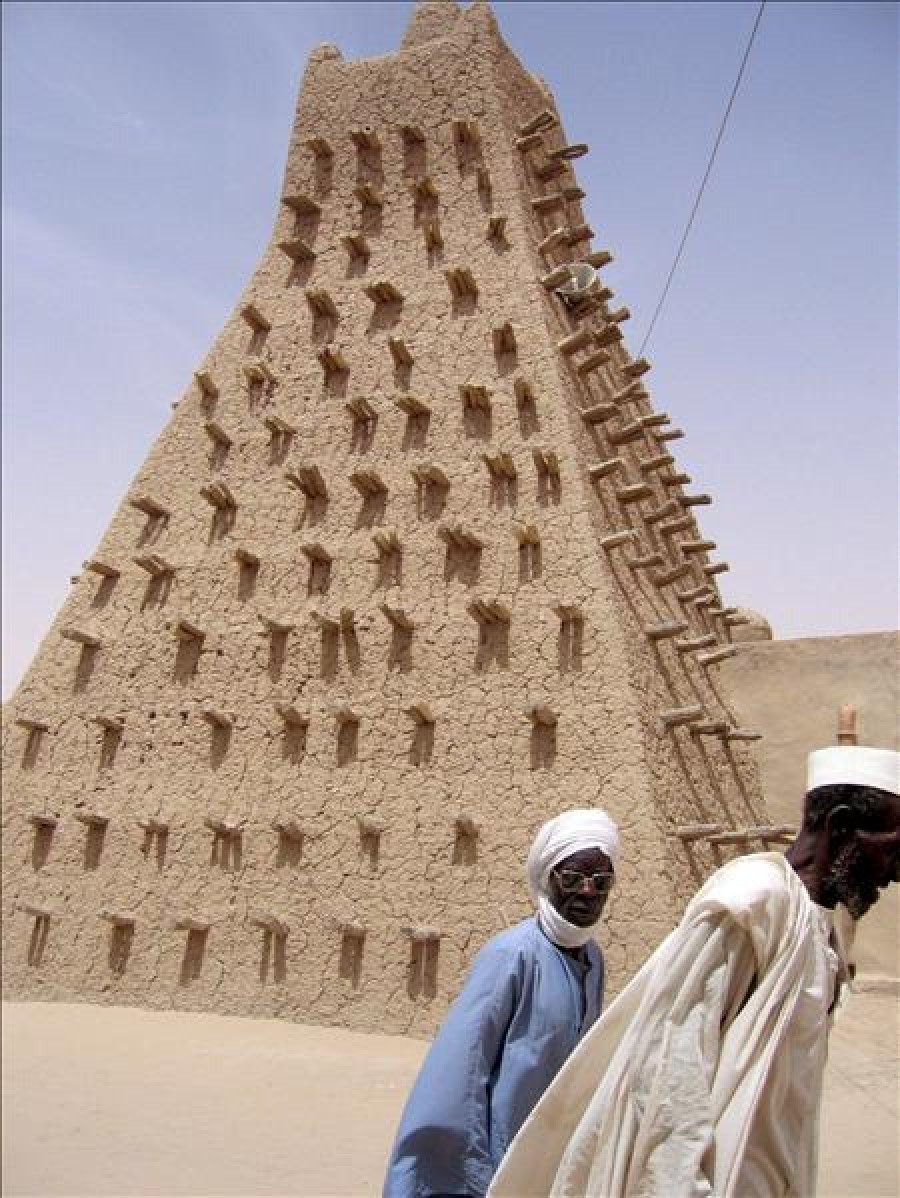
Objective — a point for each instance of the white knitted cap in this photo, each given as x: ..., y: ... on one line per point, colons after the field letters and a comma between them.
x: 843, y: 765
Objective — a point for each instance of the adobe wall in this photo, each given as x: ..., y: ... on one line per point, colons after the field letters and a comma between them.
x: 409, y: 570
x: 792, y: 691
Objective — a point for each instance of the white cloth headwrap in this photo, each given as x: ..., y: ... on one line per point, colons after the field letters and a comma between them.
x: 854, y: 765
x: 559, y: 838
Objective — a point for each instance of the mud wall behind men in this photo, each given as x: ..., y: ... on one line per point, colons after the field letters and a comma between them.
x: 792, y: 691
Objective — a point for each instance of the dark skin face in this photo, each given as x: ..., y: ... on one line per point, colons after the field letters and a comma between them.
x: 583, y: 906
x: 843, y: 863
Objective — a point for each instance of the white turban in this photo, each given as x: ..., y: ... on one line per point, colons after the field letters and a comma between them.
x: 559, y: 838
x: 854, y: 765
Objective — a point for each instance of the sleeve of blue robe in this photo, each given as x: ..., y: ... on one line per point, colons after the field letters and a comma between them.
x: 517, y: 1018
x: 442, y: 1144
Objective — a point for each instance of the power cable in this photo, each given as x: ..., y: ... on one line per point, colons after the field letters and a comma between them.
x: 702, y: 188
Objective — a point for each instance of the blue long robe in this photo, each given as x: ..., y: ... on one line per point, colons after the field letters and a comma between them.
x: 523, y: 1008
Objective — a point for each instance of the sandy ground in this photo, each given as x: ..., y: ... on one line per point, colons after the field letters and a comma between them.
x: 101, y: 1100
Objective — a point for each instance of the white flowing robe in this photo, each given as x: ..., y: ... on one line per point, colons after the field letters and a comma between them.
x: 704, y: 1076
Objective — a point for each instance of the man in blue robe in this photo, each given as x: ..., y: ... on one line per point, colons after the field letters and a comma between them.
x: 532, y: 993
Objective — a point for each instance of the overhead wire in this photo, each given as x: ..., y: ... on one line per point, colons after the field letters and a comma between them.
x: 705, y: 179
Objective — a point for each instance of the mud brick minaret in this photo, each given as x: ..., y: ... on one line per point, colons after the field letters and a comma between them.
x: 410, y: 569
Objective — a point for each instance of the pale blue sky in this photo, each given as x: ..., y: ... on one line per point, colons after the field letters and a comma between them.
x: 143, y: 152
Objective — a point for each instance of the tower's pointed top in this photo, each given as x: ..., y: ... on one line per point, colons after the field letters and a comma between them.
x: 431, y: 19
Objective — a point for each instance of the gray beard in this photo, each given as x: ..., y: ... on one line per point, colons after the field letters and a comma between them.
x: 847, y: 884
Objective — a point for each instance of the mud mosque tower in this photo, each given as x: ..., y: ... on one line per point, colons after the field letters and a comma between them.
x: 410, y: 569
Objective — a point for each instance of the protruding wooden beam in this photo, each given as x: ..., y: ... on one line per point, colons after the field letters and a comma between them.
x: 92, y: 819
x: 542, y: 714
x: 218, y: 495
x: 369, y: 826
x: 383, y: 292
x: 672, y: 574
x: 489, y: 611
x: 500, y: 464
x: 269, y: 922
x: 155, y: 564
x: 228, y: 827
x: 548, y: 202
x: 531, y: 141
x: 357, y: 247
x: 187, y: 630
x: 615, y: 539
x: 709, y: 728
x: 110, y: 723
x: 461, y: 282
x: 292, y: 715
x: 37, y: 910
x: 150, y: 507
x: 846, y: 727
x: 598, y: 259
x: 466, y: 825
x: 717, y: 655
x: 397, y: 616
x: 119, y: 919
x: 579, y: 233
x: 192, y: 923
x: 421, y: 713
x: 736, y: 837
x: 572, y: 343
x: 302, y: 204
x: 695, y: 643
x: 608, y: 334
x: 217, y: 718
x: 496, y: 226
x: 289, y: 828
x: 594, y: 361
x: 605, y: 468
x: 677, y: 524
x: 369, y: 195
x: 628, y: 432
x: 660, y: 513
x: 645, y: 561
x: 569, y: 153
x: 32, y: 723
x: 553, y: 240
x: 691, y: 832
x: 541, y: 122
x: 81, y: 636
x: 635, y: 369
x: 670, y: 628
x: 659, y: 460
x: 319, y: 147
x: 104, y: 569
x: 422, y: 935
x: 598, y: 413
x: 556, y: 277
x: 365, y: 138
x: 633, y: 492
x: 309, y: 480
x: 675, y: 717
x: 43, y: 819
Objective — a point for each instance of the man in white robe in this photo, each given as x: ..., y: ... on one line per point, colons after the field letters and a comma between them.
x: 704, y: 1077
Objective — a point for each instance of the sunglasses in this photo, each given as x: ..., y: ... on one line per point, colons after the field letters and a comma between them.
x: 571, y: 880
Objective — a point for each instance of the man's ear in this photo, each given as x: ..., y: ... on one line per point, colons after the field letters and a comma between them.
x: 840, y: 824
